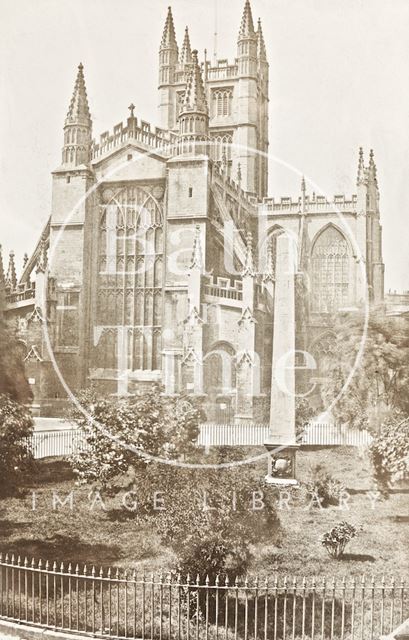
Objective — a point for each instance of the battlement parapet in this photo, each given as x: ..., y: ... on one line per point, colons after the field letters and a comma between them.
x: 25, y: 291
x: 154, y: 138
x: 219, y: 287
x: 312, y: 204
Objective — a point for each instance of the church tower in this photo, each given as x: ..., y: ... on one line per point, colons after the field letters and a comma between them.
x: 69, y: 252
x: 168, y: 60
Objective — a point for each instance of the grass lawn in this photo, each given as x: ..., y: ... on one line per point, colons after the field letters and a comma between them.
x: 120, y: 538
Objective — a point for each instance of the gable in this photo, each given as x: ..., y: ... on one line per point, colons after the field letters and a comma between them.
x: 130, y: 163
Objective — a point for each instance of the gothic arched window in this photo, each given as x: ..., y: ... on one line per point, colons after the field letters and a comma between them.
x: 330, y: 271
x: 130, y: 277
x: 222, y: 102
x: 221, y: 147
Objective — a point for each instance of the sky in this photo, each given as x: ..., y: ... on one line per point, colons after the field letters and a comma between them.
x: 338, y: 80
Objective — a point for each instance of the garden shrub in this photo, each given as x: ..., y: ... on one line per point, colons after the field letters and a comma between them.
x: 16, y: 460
x: 322, y: 486
x: 389, y: 453
x: 209, y: 520
x: 337, y: 538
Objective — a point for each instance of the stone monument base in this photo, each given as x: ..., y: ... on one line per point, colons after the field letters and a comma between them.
x: 281, y: 463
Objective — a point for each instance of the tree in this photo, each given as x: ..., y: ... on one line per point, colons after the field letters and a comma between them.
x: 304, y: 413
x: 16, y: 425
x: 122, y: 434
x: 13, y: 380
x: 381, y: 372
x: 389, y: 452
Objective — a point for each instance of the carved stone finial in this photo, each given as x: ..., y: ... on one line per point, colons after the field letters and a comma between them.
x: 248, y: 268
x: 11, y: 277
x: 269, y: 274
x: 42, y: 256
x: 197, y: 251
x: 361, y: 168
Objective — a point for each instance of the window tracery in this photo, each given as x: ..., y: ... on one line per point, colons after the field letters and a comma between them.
x: 330, y: 271
x: 130, y: 278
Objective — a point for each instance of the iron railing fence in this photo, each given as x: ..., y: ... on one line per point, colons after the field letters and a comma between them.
x: 65, y: 442
x: 116, y: 603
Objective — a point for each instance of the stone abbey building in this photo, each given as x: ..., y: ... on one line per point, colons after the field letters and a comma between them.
x: 164, y: 260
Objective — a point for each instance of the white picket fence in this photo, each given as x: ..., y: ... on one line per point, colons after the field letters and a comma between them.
x: 56, y: 443
x: 315, y: 434
x: 64, y: 442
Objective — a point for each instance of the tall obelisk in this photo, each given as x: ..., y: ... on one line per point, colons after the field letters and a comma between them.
x: 281, y: 443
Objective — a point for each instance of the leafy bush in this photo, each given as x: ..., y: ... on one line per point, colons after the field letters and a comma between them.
x: 337, y: 538
x: 208, y: 519
x: 122, y: 434
x: 322, y: 486
x: 389, y: 453
x: 16, y: 424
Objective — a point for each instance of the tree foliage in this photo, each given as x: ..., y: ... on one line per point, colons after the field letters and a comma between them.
x: 380, y: 374
x: 12, y: 377
x: 304, y: 413
x: 16, y: 426
x: 389, y: 452
x: 123, y: 434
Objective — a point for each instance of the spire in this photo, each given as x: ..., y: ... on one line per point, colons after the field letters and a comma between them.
x: 248, y: 268
x: 11, y: 277
x: 78, y: 125
x: 361, y: 168
x: 25, y: 260
x: 261, y: 46
x: 372, y: 169
x: 197, y: 251
x: 195, y: 97
x: 78, y: 111
x: 169, y: 36
x: 247, y: 25
x: 42, y: 255
x: 186, y: 53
